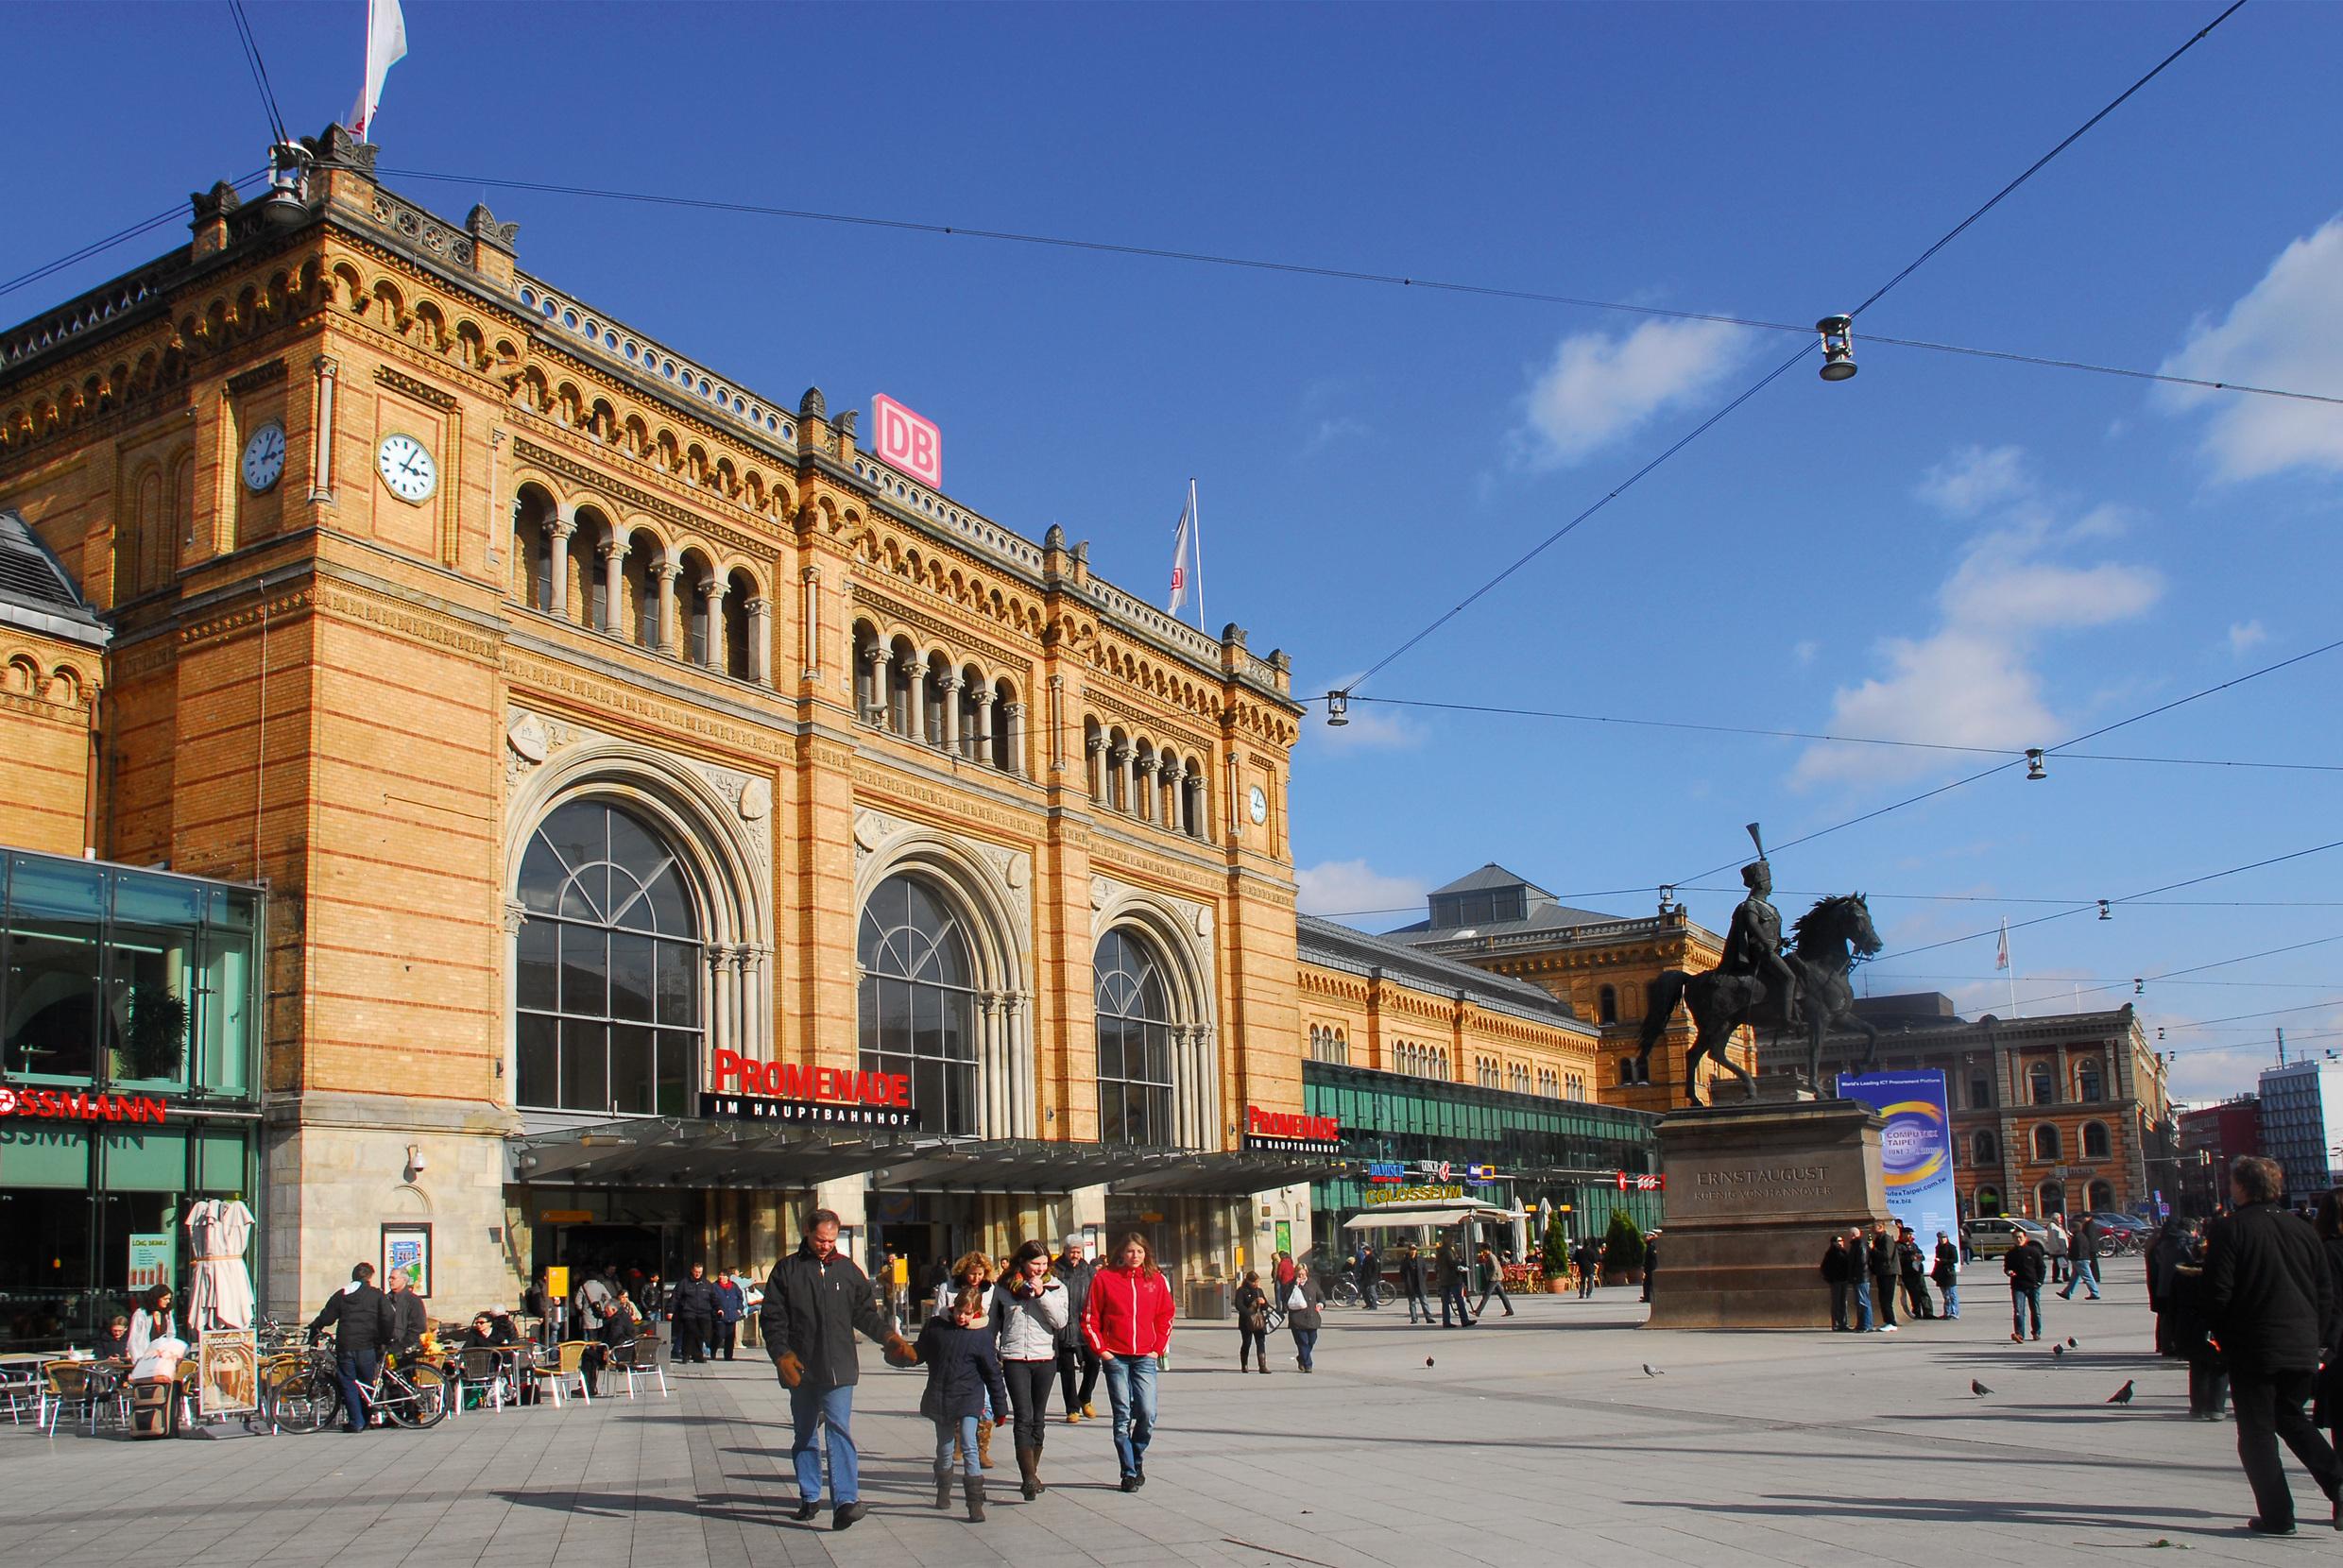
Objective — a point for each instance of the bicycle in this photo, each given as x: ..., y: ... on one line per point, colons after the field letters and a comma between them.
x: 1343, y: 1291
x: 415, y: 1397
x: 305, y: 1399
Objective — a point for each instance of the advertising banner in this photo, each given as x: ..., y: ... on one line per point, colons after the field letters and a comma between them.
x: 150, y: 1258
x: 1915, y: 1147
x: 227, y: 1372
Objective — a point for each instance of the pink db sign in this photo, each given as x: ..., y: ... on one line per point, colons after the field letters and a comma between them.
x: 908, y: 441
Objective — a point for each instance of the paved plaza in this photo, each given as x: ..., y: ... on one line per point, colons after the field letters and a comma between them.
x: 1533, y: 1440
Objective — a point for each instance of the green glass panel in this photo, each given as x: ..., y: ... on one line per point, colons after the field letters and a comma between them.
x: 144, y: 900
x: 219, y: 1163
x: 62, y: 890
x: 226, y: 1025
x: 145, y: 1161
x: 36, y: 1155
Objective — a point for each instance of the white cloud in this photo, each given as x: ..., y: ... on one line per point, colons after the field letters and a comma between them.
x: 1342, y: 887
x: 1340, y: 427
x: 2245, y: 634
x: 2287, y: 331
x: 1972, y: 681
x: 1599, y: 389
x: 1803, y: 649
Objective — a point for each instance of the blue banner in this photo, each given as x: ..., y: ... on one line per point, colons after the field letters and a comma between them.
x: 1915, y: 1147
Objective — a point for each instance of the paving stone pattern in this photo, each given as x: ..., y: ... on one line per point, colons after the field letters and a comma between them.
x: 1533, y: 1440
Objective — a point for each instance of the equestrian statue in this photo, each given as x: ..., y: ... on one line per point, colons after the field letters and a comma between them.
x: 1773, y: 987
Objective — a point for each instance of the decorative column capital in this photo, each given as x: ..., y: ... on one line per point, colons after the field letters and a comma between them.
x: 1095, y: 745
x: 982, y: 695
x: 327, y: 366
x: 516, y: 916
x: 559, y: 528
x: 812, y: 575
x: 1015, y: 710
x: 667, y: 571
x: 609, y: 550
x: 876, y: 654
x: 707, y: 587
x: 756, y: 607
x: 950, y: 681
x: 1118, y: 755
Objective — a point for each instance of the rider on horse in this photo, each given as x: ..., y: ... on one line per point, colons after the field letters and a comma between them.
x: 1754, y: 943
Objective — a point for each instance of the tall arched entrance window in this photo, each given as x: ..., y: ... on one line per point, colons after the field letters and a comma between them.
x: 608, y: 979
x: 1135, y: 1045
x: 917, y: 1009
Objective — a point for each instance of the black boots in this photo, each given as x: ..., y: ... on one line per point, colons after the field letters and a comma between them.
x: 1029, y: 1473
x: 973, y: 1490
x: 943, y: 1486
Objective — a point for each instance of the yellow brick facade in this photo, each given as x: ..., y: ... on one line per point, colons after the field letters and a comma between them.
x: 49, y: 694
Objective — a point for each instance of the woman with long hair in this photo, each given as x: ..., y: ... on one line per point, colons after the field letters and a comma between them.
x: 1128, y: 1322
x: 1251, y: 1322
x: 152, y: 1320
x: 1029, y: 1308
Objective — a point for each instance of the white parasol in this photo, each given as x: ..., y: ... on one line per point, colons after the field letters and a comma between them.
x: 220, y: 1294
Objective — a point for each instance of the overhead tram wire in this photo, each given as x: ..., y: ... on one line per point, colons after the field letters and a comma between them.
x: 1915, y: 897
x: 2174, y: 977
x: 176, y: 213
x: 1770, y: 376
x: 2016, y: 752
x: 251, y: 46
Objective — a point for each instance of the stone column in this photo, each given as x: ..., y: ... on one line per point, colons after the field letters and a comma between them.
x: 980, y: 747
x: 669, y: 642
x: 713, y: 1013
x: 711, y: 594
x: 321, y: 446
x: 1094, y: 766
x: 613, y: 553
x: 1024, y: 1116
x: 756, y: 1002
x: 760, y: 642
x: 875, y: 712
x: 1013, y: 726
x: 988, y: 1098
x: 812, y: 670
x: 944, y: 734
x: 1174, y: 792
x: 558, y: 530
x: 1118, y: 772
x: 1057, y: 724
x: 1145, y: 795
x: 915, y: 672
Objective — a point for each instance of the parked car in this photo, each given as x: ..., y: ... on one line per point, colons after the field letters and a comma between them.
x: 1994, y: 1235
x: 2111, y: 1222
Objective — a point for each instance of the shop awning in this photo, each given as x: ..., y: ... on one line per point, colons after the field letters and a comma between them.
x: 1398, y: 1217
x: 647, y: 1150
x: 1035, y: 1165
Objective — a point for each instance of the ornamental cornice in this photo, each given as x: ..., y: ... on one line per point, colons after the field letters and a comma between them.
x: 598, y: 696
x: 213, y: 628
x: 350, y: 604
x: 407, y: 386
x: 949, y: 806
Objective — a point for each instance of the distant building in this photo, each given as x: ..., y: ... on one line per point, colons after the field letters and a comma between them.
x: 2051, y: 1114
x: 2301, y: 1114
x: 2211, y: 1137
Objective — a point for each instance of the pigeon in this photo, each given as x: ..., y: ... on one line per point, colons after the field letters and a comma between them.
x: 1427, y: 1360
x: 2057, y: 1349
x: 1978, y: 1388
x: 2122, y: 1395
x: 2070, y: 1341
x: 1651, y: 1371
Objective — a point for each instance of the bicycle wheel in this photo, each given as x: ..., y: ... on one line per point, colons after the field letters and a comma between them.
x: 308, y: 1401
x: 425, y: 1402
x: 1345, y: 1293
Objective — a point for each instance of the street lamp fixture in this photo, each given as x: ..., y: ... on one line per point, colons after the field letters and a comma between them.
x: 1338, y: 709
x: 2035, y: 771
x: 288, y: 173
x: 1837, y: 346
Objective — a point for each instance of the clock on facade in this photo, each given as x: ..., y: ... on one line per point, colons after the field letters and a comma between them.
x: 406, y: 467
x: 1259, y: 804
x: 264, y: 457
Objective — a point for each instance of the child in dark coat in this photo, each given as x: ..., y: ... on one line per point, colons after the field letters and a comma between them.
x: 963, y: 1363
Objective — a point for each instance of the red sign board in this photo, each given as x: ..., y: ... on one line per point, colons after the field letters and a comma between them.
x: 903, y: 438
x: 1286, y: 1132
x: 80, y: 1105
x: 1629, y: 1182
x: 791, y: 1091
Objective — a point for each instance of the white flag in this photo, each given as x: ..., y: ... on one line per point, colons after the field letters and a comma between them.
x: 1179, y: 563
x: 2001, y: 958
x: 386, y: 45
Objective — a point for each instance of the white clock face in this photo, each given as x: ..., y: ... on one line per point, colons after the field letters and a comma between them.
x: 1259, y: 804
x: 264, y: 457
x: 406, y: 467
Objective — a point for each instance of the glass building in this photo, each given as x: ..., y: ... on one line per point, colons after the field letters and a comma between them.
x: 129, y: 1080
x: 1566, y: 1152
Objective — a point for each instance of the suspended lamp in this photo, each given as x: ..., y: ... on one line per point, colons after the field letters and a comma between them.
x: 2034, y: 769
x: 288, y: 172
x: 1338, y: 709
x: 1837, y: 346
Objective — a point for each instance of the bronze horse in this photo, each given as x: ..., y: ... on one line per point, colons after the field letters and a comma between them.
x: 1825, y: 945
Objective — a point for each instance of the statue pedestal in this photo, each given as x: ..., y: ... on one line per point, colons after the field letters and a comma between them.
x: 1755, y: 1193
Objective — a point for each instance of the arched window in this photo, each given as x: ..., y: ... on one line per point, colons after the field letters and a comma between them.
x: 1987, y: 1148
x: 2045, y: 1083
x: 2096, y: 1144
x: 1607, y: 1004
x: 1988, y: 1200
x: 532, y: 553
x: 739, y: 590
x: 2045, y: 1142
x: 2089, y: 1087
x: 1980, y: 1092
x: 2049, y: 1199
x: 2102, y: 1195
x: 870, y: 675
x: 1133, y: 1044
x: 917, y: 1006
x: 607, y: 980
x: 642, y: 587
x: 1008, y: 721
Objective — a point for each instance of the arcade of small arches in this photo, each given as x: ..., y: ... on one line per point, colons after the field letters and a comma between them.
x: 1328, y: 1044
x: 1419, y: 1061
x: 929, y: 696
x: 1150, y: 782
x: 719, y: 619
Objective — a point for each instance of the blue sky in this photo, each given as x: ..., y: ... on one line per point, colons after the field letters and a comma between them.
x: 1942, y: 549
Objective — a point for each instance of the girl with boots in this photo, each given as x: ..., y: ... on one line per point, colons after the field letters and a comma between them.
x: 973, y: 1271
x: 1251, y: 1322
x: 1029, y: 1308
x: 963, y: 1370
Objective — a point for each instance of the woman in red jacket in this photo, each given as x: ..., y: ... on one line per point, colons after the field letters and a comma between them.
x: 1128, y: 1322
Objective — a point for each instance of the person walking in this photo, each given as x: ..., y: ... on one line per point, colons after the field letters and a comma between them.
x: 1835, y: 1276
x: 1491, y: 1281
x: 815, y: 1301
x: 965, y: 1382
x: 971, y: 1271
x: 1883, y: 1277
x: 364, y: 1326
x: 1587, y: 1257
x: 2183, y: 1321
x: 1411, y: 1280
x: 1029, y: 1310
x: 2059, y: 1243
x: 1251, y: 1322
x: 1946, y: 1273
x: 1448, y: 1275
x: 1651, y: 1263
x: 1077, y: 1363
x: 1860, y: 1278
x: 2327, y: 1393
x: 2082, y: 1248
x: 731, y: 1303
x: 1911, y: 1266
x: 1128, y: 1323
x: 1305, y: 1316
x: 1369, y: 1275
x: 2024, y: 1264
x: 2271, y: 1303
x: 693, y: 1308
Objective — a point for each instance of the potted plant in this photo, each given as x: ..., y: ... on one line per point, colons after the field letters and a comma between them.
x: 1555, y: 1254
x: 155, y: 1036
x: 1623, y: 1250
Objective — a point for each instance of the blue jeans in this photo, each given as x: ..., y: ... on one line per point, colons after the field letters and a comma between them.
x: 1952, y: 1299
x: 2086, y: 1273
x: 2025, y: 1298
x: 811, y: 1411
x: 1305, y: 1346
x: 1131, y: 1395
x: 1862, y: 1304
x: 1454, y: 1297
x: 962, y: 1430
x: 355, y: 1370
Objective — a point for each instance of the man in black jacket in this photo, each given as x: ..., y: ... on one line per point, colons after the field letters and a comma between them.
x: 1077, y: 1363
x: 1882, y: 1248
x: 1412, y: 1281
x: 2272, y: 1305
x: 409, y: 1319
x: 815, y: 1302
x: 2082, y: 1246
x: 364, y: 1325
x: 1911, y: 1268
x: 1835, y: 1276
x: 692, y: 1306
x: 2026, y: 1264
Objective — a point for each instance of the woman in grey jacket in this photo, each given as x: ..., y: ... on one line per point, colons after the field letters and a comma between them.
x: 1029, y: 1308
x: 1305, y: 1319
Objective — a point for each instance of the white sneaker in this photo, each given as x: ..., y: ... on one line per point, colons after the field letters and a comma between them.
x: 1889, y: 1329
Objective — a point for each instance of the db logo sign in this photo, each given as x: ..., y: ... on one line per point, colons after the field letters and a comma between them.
x: 908, y: 441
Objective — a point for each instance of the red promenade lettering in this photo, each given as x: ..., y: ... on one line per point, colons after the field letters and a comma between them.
x: 80, y: 1105
x: 799, y: 1081
x: 1284, y: 1124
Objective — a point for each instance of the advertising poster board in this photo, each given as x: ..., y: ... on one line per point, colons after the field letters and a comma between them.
x: 1915, y: 1147
x: 228, y: 1378
x: 150, y: 1258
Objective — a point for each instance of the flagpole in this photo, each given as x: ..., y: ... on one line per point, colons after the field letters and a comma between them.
x: 1197, y: 523
x: 2011, y: 966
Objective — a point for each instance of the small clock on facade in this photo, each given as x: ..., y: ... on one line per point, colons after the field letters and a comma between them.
x: 408, y: 469
x: 1259, y: 804
x: 264, y: 457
